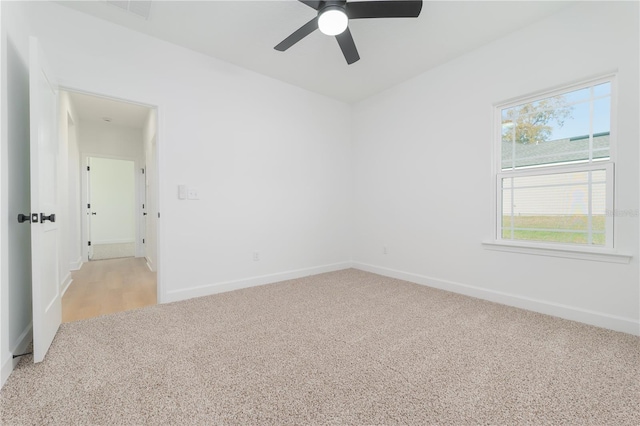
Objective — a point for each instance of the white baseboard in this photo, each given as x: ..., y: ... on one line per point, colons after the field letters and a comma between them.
x: 18, y: 348
x: 65, y: 284
x: 599, y: 319
x: 206, y: 290
x: 75, y: 266
x: 116, y: 241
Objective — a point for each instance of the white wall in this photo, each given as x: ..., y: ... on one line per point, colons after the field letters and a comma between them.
x: 15, y: 280
x: 151, y: 186
x: 272, y: 177
x: 423, y: 169
x: 113, y: 195
x: 100, y: 138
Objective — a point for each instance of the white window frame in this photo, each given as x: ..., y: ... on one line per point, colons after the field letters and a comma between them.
x: 606, y: 253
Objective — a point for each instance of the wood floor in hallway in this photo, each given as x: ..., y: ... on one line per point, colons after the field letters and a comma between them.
x: 106, y: 286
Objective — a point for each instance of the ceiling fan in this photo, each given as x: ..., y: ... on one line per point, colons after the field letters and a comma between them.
x: 334, y: 15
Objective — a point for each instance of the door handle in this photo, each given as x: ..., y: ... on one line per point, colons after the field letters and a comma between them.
x: 93, y: 213
x: 51, y: 218
x: 22, y: 218
x: 144, y: 214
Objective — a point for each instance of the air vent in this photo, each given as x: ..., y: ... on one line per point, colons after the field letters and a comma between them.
x: 140, y: 8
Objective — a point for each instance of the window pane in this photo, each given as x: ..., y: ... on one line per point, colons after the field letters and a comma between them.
x: 576, y: 125
x: 602, y: 89
x: 602, y: 115
x: 599, y: 205
x: 558, y: 129
x: 578, y: 95
x: 556, y: 208
x: 507, y: 182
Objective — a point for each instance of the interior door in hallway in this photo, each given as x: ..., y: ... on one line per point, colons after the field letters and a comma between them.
x: 112, y: 219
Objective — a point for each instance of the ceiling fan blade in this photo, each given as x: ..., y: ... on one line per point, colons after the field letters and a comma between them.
x: 298, y: 35
x: 348, y: 46
x: 384, y: 9
x: 315, y: 4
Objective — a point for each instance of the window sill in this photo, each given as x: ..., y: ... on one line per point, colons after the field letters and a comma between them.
x: 598, y: 255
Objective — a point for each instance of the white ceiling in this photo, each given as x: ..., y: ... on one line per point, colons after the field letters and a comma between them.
x: 94, y: 108
x: 392, y: 50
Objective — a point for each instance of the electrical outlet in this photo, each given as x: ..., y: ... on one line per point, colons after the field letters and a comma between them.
x: 192, y: 193
x: 256, y: 256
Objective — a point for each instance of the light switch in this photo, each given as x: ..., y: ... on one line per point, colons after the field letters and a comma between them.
x: 182, y: 192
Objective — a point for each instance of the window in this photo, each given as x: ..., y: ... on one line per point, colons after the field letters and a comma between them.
x: 555, y: 170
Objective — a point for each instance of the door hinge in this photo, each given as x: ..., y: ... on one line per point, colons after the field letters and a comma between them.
x: 142, y: 171
x: 89, y: 243
x: 88, y: 168
x: 143, y: 241
x: 158, y: 215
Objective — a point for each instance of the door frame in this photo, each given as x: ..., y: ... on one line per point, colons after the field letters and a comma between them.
x: 157, y: 160
x: 84, y: 178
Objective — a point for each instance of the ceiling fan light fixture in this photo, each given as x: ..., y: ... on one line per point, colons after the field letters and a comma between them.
x: 334, y: 15
x: 333, y: 21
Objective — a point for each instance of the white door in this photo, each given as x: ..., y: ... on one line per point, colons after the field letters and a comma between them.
x: 112, y: 191
x: 43, y: 100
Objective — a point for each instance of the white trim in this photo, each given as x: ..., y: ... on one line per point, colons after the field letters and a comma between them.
x: 557, y: 170
x: 120, y: 241
x: 65, y: 284
x: 84, y: 185
x: 161, y: 290
x: 559, y: 250
x: 20, y: 347
x: 208, y: 289
x: 76, y: 265
x: 598, y: 319
x: 102, y: 95
x: 159, y: 131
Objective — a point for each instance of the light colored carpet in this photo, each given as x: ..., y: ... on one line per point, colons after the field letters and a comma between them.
x: 346, y: 347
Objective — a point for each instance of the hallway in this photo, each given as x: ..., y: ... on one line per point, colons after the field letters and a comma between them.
x: 106, y: 286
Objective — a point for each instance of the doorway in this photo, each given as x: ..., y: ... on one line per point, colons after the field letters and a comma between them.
x: 111, y: 208
x: 107, y: 165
